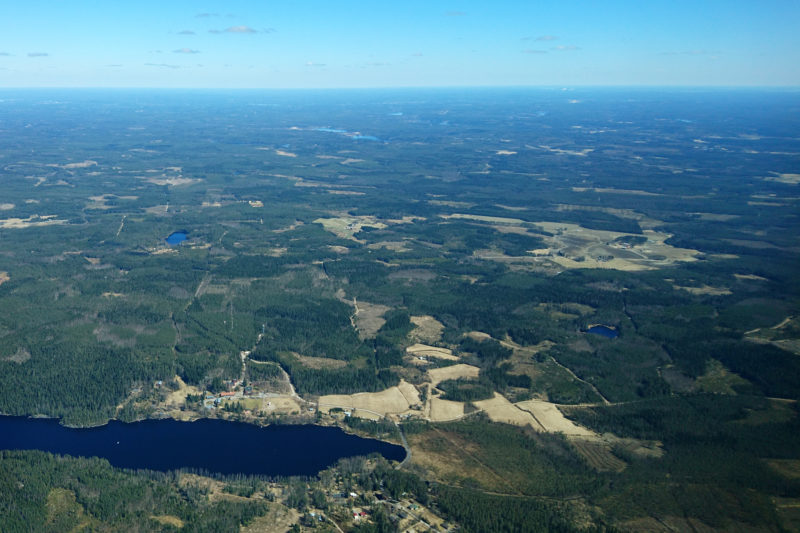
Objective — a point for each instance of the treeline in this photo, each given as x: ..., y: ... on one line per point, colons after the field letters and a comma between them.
x: 90, y: 491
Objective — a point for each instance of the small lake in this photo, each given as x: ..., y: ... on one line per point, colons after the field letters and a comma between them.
x: 604, y: 331
x: 176, y: 238
x: 217, y: 446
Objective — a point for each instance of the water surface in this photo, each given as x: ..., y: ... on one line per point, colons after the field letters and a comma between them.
x: 214, y: 445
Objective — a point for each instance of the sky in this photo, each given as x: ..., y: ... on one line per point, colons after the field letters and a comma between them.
x: 409, y: 43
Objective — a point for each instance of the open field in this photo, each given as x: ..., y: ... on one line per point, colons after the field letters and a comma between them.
x: 445, y: 410
x: 424, y: 350
x: 178, y: 397
x: 706, y: 289
x: 499, y: 409
x: 426, y: 329
x: 394, y: 400
x: 552, y: 420
x: 598, y: 455
x: 4, y: 277
x: 369, y: 318
x: 347, y: 226
x: 460, y: 371
x: 319, y: 362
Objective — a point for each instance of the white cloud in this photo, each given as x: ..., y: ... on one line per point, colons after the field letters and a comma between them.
x: 547, y: 38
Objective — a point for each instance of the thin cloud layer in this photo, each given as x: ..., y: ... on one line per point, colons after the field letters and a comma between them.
x: 185, y: 51
x: 455, y: 14
x: 565, y: 48
x: 161, y: 65
x: 38, y: 54
x: 241, y: 30
x: 186, y: 32
x: 547, y: 38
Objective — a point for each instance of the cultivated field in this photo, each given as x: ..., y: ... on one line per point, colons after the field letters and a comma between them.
x: 437, y: 375
x: 394, y: 400
x: 551, y: 419
x: 424, y: 350
x: 499, y: 409
x: 445, y: 410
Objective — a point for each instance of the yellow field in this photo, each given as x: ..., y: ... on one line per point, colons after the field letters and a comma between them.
x: 424, y: 350
x: 551, y: 419
x: 437, y: 375
x: 394, y: 400
x: 347, y: 226
x: 499, y: 409
x: 445, y: 410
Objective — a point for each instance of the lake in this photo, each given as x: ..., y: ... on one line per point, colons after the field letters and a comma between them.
x: 176, y: 238
x: 217, y: 446
x: 604, y: 331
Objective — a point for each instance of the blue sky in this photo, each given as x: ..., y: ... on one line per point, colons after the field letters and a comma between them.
x: 346, y: 43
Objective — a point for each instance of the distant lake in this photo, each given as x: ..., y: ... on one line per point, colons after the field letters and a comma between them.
x: 176, y: 238
x: 604, y: 331
x: 216, y: 446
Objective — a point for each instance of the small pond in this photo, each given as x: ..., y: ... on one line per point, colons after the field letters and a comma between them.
x: 176, y: 238
x: 604, y: 331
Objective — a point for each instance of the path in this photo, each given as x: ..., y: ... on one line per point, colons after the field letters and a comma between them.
x: 571, y: 373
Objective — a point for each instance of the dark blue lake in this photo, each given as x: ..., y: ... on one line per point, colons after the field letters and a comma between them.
x: 176, y: 238
x: 213, y: 445
x: 604, y: 331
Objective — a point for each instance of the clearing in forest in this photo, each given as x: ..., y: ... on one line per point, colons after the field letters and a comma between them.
x: 424, y: 350
x: 426, y: 329
x: 462, y: 371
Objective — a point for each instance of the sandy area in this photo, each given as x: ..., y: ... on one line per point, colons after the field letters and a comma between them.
x: 499, y: 409
x: 424, y: 350
x: 551, y: 419
x: 444, y: 410
x: 437, y: 375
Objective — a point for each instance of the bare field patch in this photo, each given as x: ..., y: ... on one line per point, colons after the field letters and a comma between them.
x: 278, y: 520
x: 319, y: 363
x: 6, y: 207
x: 552, y: 420
x: 705, y: 289
x: 4, y: 277
x: 396, y: 246
x: 789, y: 179
x: 481, y: 218
x: 718, y: 379
x: 499, y: 409
x: 461, y: 371
x: 789, y: 468
x: 347, y: 226
x: 750, y: 277
x: 369, y: 318
x: 598, y: 455
x: 389, y: 401
x: 168, y: 520
x: 445, y: 410
x: 426, y: 328
x: 424, y: 350
x: 19, y: 357
x: 32, y: 221
x: 280, y: 404
x: 178, y: 397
